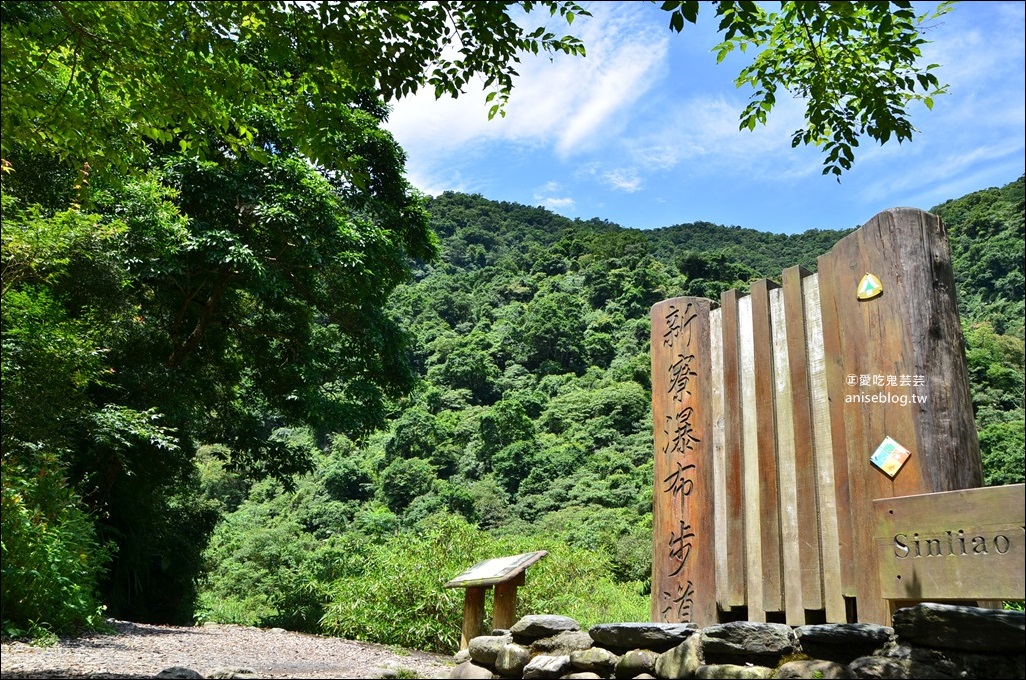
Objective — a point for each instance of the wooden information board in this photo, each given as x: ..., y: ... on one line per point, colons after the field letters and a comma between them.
x: 506, y: 574
x: 956, y: 545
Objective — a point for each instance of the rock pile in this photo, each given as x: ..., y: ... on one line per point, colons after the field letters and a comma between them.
x: 927, y: 641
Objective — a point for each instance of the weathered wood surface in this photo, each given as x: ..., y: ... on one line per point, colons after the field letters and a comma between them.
x: 733, y: 462
x: 806, y: 488
x: 683, y: 565
x: 954, y: 545
x: 831, y: 548
x: 778, y: 395
x: 911, y: 330
x: 473, y: 615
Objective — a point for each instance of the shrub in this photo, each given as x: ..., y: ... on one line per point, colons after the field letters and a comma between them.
x: 52, y: 561
x: 398, y: 597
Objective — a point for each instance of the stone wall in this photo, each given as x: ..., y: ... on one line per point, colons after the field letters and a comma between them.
x: 927, y: 641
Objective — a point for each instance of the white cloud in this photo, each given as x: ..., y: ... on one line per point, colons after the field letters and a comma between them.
x: 548, y: 196
x: 703, y: 132
x: 624, y: 179
x: 569, y: 105
x: 556, y: 203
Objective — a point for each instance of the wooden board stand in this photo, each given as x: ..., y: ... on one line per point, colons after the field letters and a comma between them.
x: 952, y: 546
x: 773, y: 413
x: 506, y: 574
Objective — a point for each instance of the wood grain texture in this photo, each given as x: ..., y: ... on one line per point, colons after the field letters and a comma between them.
x: 791, y: 526
x: 953, y: 545
x: 504, y: 608
x: 750, y: 498
x: 806, y: 476
x: 833, y: 369
x: 827, y: 506
x: 911, y: 330
x: 769, y: 490
x: 719, y: 461
x: 683, y: 565
x: 733, y: 462
x: 473, y: 615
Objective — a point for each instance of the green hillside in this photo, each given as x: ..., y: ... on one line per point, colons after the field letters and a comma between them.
x: 522, y: 420
x: 532, y: 418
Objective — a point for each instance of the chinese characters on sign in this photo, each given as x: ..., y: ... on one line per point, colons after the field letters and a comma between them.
x: 885, y: 380
x: 679, y: 451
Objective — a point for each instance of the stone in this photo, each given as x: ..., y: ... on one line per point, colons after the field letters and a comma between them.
x: 972, y: 629
x: 733, y: 671
x: 391, y: 670
x: 461, y: 656
x: 566, y: 642
x: 484, y: 648
x: 634, y: 663
x: 547, y: 666
x: 812, y: 668
x: 658, y: 637
x: 231, y: 673
x: 741, y: 642
x: 880, y: 667
x: 596, y: 660
x: 582, y: 675
x: 682, y: 661
x: 511, y: 659
x: 842, y: 642
x: 535, y: 626
x: 954, y: 663
x: 471, y: 671
x: 178, y: 672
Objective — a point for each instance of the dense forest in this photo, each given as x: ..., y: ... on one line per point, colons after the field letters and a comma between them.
x: 524, y: 423
x: 250, y: 374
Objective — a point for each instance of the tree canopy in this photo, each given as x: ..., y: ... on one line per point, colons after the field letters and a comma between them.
x: 97, y: 81
x: 205, y: 221
x: 855, y: 65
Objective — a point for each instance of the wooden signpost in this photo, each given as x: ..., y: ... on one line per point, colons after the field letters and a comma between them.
x: 957, y: 545
x: 506, y: 574
x: 781, y: 416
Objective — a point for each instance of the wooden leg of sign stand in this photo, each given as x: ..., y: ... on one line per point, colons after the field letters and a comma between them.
x: 473, y: 615
x: 504, y: 613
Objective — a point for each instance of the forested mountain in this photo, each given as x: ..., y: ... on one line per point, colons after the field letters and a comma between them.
x: 532, y: 421
x: 528, y: 425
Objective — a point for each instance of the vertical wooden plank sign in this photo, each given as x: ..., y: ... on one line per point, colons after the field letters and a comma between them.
x: 903, y: 374
x: 680, y: 363
x: 683, y: 560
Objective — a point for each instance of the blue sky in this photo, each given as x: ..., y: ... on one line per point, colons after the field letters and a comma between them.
x: 644, y: 130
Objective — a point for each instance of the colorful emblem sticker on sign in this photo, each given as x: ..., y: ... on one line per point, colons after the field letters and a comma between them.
x: 889, y: 457
x: 869, y: 287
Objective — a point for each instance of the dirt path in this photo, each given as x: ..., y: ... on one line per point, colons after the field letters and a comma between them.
x: 141, y: 650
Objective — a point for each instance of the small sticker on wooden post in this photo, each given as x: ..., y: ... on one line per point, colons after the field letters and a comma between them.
x: 889, y: 457
x: 869, y: 287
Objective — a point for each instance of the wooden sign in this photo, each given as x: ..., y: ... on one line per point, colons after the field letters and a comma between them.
x: 683, y: 589
x: 780, y: 416
x: 506, y: 574
x: 497, y: 570
x: 956, y: 545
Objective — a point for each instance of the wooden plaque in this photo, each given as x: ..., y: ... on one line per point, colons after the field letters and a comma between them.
x: 683, y: 564
x: 955, y: 545
x: 497, y: 570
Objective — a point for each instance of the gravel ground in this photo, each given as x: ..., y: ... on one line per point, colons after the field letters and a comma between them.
x: 140, y: 650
